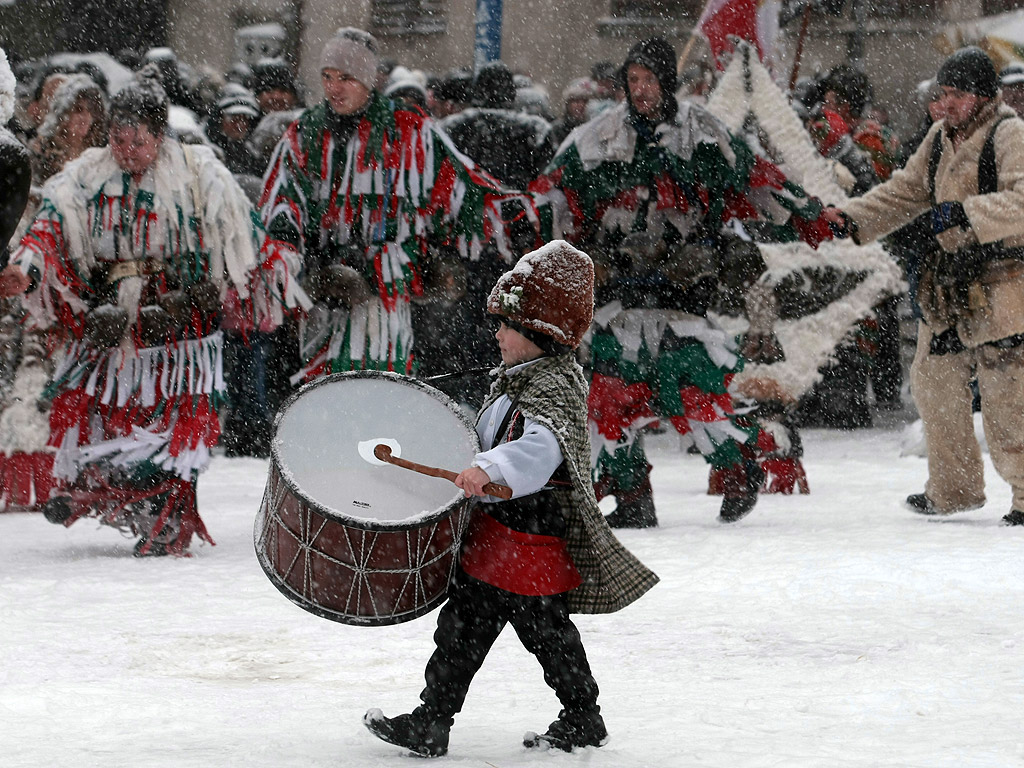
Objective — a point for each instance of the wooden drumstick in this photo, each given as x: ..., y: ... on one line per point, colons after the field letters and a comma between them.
x: 383, y: 453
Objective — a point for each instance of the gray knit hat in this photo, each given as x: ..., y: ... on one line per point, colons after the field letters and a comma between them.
x: 353, y: 52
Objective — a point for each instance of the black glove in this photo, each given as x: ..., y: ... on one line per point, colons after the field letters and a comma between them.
x: 946, y: 343
x: 105, y: 325
x: 948, y: 215
x: 842, y: 231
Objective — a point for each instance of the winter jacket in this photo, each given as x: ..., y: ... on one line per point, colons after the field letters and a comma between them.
x: 511, y: 146
x: 375, y: 200
x: 997, y: 311
x: 553, y: 393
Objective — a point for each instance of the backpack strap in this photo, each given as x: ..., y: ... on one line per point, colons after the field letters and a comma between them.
x: 988, y: 180
x: 933, y: 165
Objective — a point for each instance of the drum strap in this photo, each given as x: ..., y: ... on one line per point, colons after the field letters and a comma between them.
x: 499, y: 433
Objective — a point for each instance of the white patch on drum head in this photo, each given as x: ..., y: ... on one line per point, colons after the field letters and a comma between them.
x: 366, y: 447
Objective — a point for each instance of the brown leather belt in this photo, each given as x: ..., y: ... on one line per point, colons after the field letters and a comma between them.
x: 134, y: 268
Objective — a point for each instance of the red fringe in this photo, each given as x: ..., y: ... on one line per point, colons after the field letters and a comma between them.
x: 26, y: 479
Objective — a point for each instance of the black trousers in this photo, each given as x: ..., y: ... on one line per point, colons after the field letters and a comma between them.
x: 471, y: 621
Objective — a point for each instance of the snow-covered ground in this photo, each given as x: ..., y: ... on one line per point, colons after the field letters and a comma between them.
x: 834, y: 629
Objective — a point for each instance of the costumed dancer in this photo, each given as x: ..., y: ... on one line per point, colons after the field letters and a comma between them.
x: 547, y: 552
x: 368, y: 190
x: 648, y: 187
x: 128, y: 263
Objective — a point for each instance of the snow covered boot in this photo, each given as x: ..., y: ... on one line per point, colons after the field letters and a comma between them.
x: 418, y: 732
x: 634, y: 509
x: 570, y: 730
x: 57, y: 510
x: 742, y: 483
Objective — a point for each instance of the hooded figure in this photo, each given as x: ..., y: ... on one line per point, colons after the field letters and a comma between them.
x: 76, y: 121
x: 646, y: 188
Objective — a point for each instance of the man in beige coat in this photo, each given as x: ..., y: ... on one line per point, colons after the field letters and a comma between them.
x: 969, y: 172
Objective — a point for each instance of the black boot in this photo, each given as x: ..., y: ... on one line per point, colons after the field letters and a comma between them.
x: 155, y: 548
x: 1016, y: 517
x: 57, y: 510
x: 418, y: 731
x: 570, y: 730
x: 634, y: 509
x: 742, y: 485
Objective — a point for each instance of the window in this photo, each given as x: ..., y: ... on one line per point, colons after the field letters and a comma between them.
x: 900, y: 9
x: 656, y: 9
x: 408, y: 17
x: 989, y: 7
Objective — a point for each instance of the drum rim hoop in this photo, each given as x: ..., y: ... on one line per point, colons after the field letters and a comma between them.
x: 363, y: 523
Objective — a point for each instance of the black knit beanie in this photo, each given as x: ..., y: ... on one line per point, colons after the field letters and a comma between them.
x: 494, y: 87
x: 970, y: 70
x: 658, y: 55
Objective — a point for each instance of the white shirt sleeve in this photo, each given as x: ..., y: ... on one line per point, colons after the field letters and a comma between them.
x: 526, y: 464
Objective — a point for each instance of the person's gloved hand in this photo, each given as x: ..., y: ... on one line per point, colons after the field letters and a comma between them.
x: 105, y: 325
x: 841, y: 225
x: 948, y: 215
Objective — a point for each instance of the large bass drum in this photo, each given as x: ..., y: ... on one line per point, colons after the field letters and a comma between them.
x: 355, y: 542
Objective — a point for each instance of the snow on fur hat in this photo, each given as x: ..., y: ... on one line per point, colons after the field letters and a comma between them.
x: 658, y: 55
x: 548, y: 296
x: 7, y: 87
x: 970, y: 70
x: 580, y: 88
x: 142, y: 99
x: 353, y: 52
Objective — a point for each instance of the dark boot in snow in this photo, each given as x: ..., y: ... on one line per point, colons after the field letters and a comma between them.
x: 57, y: 510
x: 742, y: 484
x: 570, y: 730
x: 634, y: 509
x: 146, y: 548
x: 418, y: 731
x: 1016, y: 517
x: 920, y: 503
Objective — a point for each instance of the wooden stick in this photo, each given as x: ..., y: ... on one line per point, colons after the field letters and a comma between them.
x: 800, y: 46
x: 383, y: 453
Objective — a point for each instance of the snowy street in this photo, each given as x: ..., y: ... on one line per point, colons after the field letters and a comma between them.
x: 834, y: 629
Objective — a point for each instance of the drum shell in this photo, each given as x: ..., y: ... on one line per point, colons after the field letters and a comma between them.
x: 352, y: 570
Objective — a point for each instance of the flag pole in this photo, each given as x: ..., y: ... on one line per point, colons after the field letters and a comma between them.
x: 685, y: 55
x: 804, y: 23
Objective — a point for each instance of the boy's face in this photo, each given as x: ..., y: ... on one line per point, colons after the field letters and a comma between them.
x: 516, y: 348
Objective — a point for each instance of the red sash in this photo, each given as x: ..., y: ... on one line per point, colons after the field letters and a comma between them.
x: 521, y: 563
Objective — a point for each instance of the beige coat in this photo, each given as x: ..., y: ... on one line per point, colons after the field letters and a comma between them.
x: 997, y: 303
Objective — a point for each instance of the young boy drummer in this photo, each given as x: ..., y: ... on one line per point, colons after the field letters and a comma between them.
x: 547, y: 552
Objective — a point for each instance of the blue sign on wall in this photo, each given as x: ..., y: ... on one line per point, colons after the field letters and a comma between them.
x: 488, y: 32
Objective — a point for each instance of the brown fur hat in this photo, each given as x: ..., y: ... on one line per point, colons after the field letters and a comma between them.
x: 549, y: 293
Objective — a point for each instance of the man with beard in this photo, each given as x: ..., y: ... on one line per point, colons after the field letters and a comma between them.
x: 647, y: 187
x: 968, y: 174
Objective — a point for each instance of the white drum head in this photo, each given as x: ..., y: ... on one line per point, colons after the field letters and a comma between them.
x: 320, y: 429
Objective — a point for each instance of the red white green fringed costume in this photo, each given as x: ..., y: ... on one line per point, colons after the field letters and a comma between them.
x: 665, y: 364
x: 133, y: 425
x: 376, y: 202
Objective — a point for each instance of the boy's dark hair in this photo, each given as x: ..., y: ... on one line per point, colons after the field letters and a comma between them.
x: 141, y: 101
